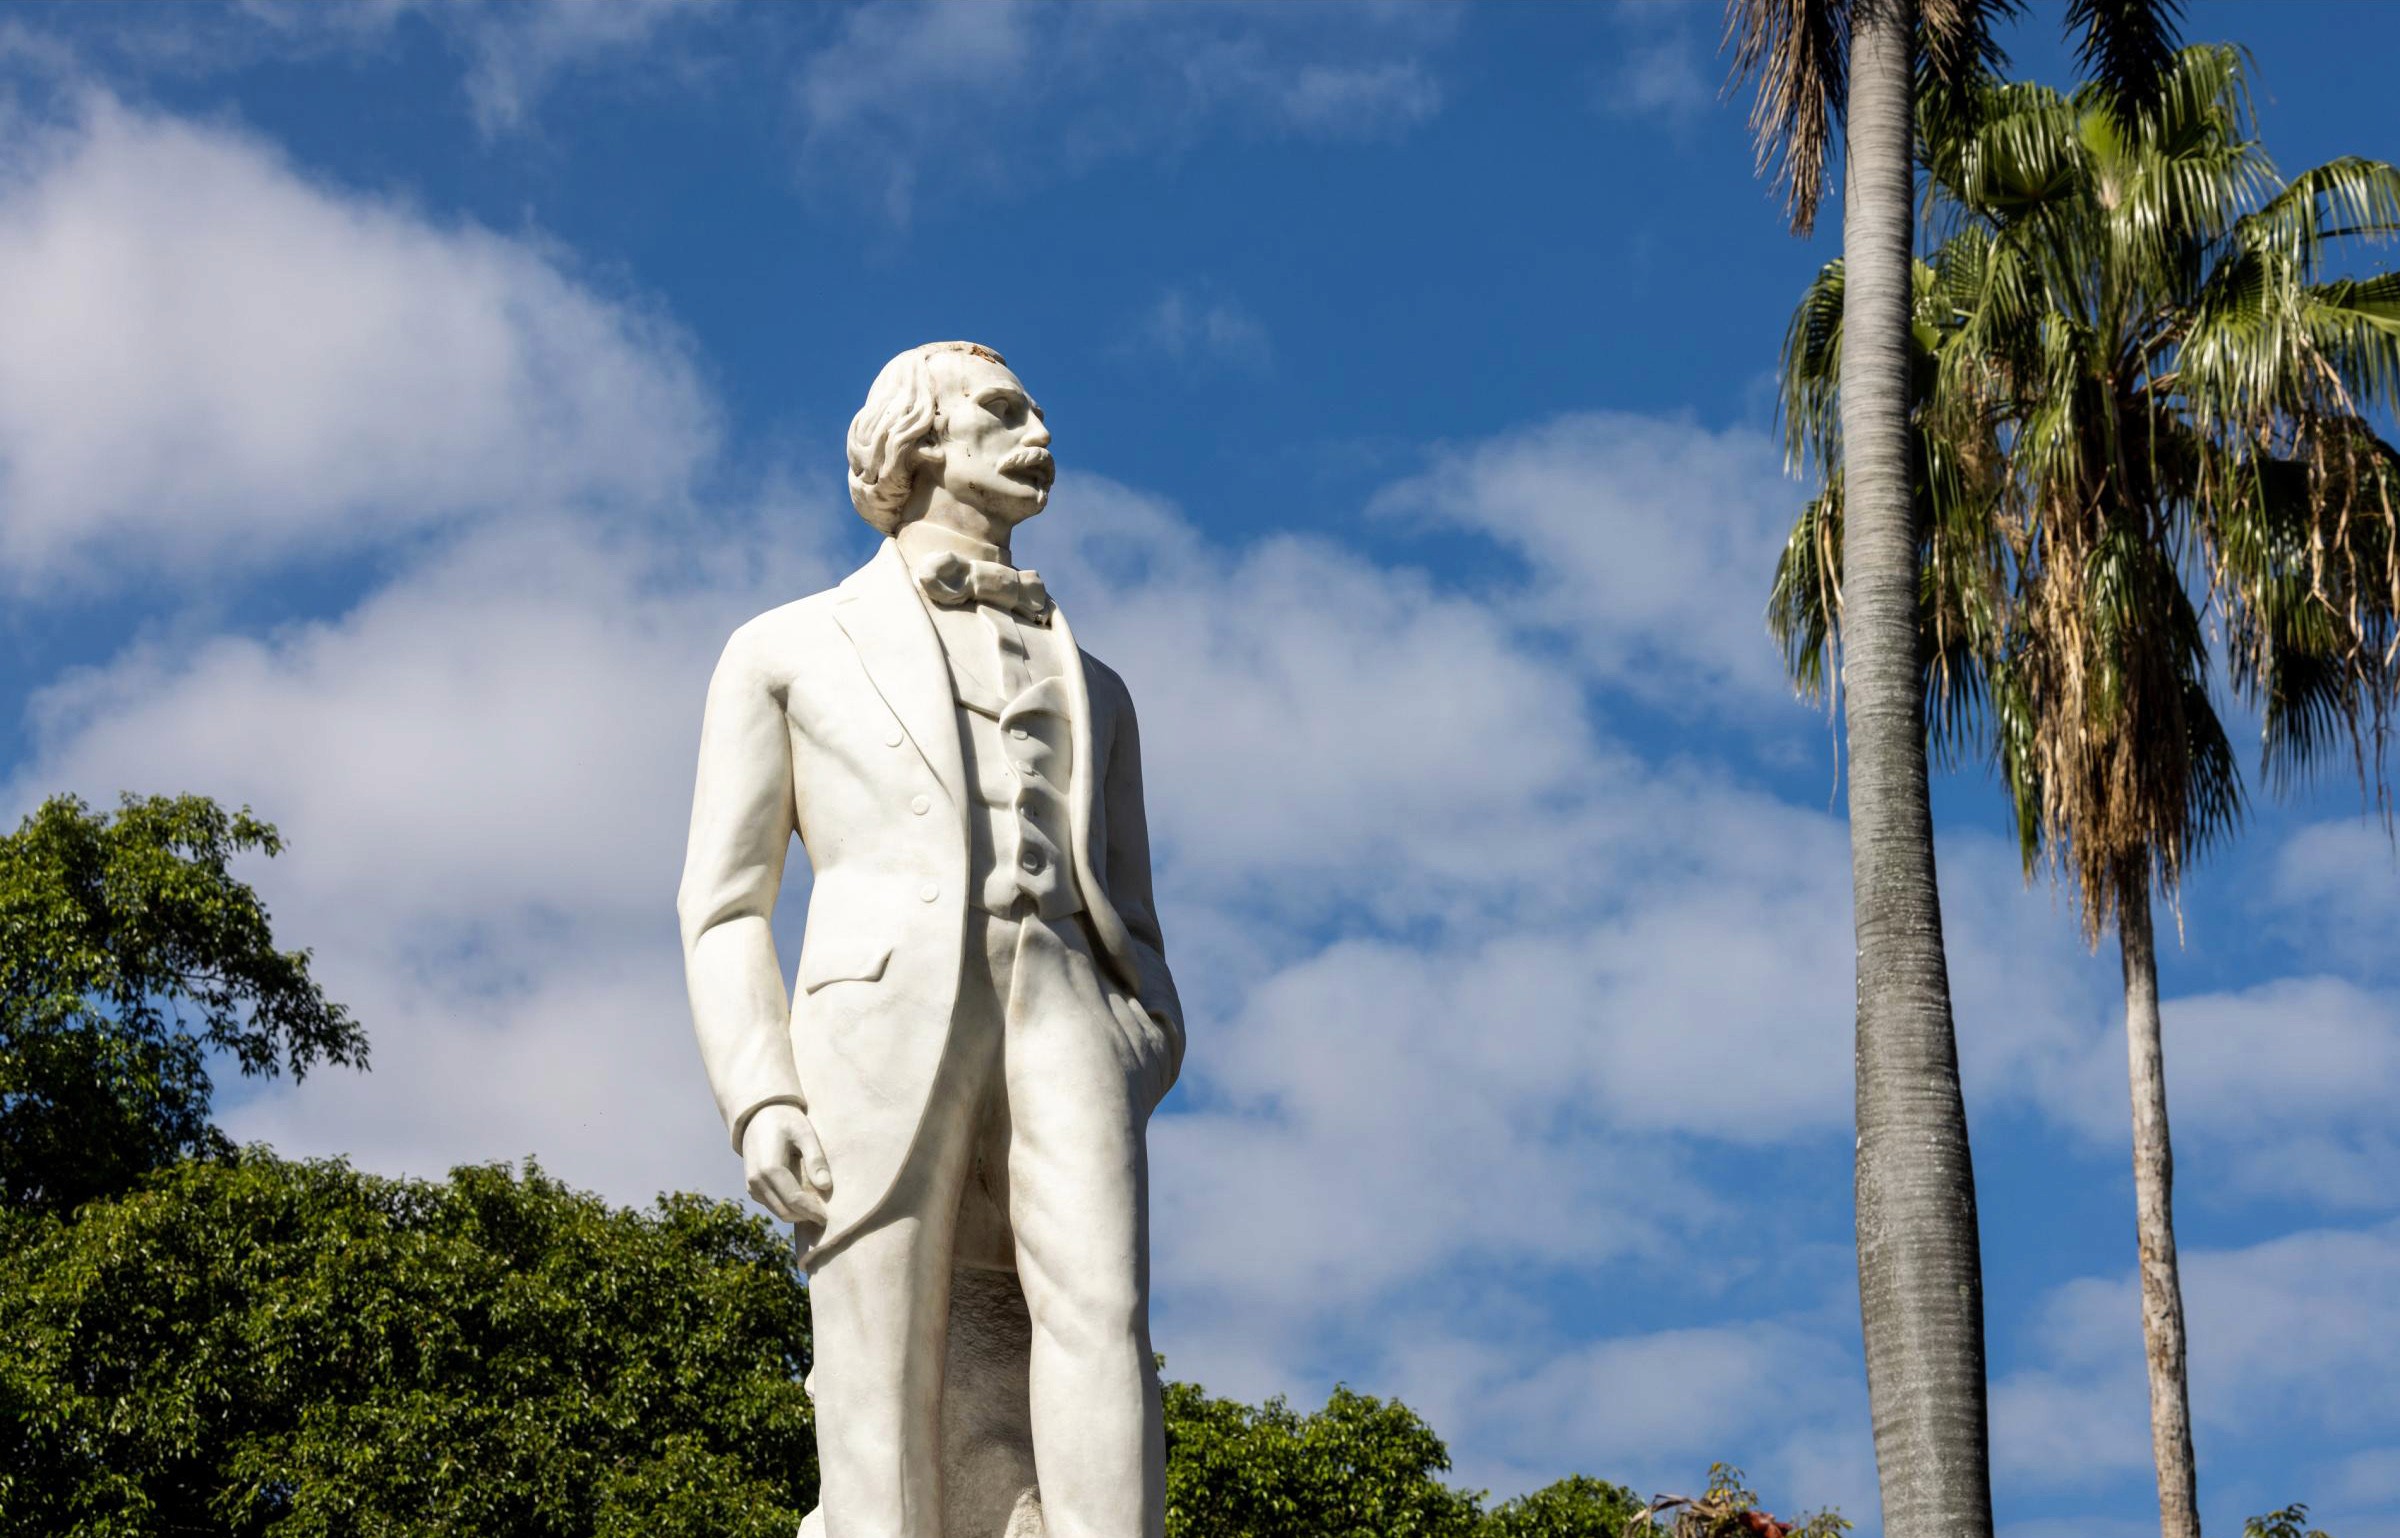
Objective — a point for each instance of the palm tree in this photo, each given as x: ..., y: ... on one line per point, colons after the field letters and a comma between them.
x: 1855, y: 64
x: 2137, y: 393
x: 1919, y: 1261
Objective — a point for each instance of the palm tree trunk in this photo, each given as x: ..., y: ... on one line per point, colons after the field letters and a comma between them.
x: 1919, y: 1265
x: 2154, y: 1220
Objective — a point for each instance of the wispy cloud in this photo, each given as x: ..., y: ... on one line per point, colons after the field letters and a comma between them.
x: 517, y: 51
x: 1661, y: 68
x: 910, y: 94
x: 1203, y: 327
x: 893, y: 100
x: 513, y: 53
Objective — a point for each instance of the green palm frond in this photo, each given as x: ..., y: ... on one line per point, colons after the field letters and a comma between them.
x: 2014, y: 152
x: 2204, y: 93
x: 2347, y: 199
x: 2353, y: 326
x: 1803, y: 603
x: 1812, y: 373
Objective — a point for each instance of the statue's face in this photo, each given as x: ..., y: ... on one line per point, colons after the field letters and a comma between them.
x: 995, y: 449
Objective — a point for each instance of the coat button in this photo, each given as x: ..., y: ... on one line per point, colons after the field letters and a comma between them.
x: 891, y: 739
x: 1017, y: 732
x: 928, y: 892
x: 921, y: 805
x: 1033, y: 859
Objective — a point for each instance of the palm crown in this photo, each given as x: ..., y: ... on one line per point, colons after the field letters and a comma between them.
x: 2139, y: 391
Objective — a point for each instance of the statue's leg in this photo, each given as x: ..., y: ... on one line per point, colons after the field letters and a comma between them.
x: 876, y: 1310
x: 988, y: 1488
x: 1077, y: 1080
x: 879, y: 1309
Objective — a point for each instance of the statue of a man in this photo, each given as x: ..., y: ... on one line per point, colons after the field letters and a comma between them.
x: 960, y: 1085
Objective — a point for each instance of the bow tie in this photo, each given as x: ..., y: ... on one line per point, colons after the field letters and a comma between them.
x: 950, y: 579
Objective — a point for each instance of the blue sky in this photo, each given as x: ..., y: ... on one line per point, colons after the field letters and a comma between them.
x: 399, y: 403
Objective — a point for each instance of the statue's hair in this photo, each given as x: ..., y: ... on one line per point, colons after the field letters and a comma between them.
x: 891, y: 430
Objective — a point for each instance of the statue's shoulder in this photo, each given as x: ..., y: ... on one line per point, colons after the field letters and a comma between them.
x: 1105, y: 685
x: 778, y: 643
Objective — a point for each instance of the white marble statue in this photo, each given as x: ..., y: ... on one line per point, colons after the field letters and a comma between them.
x: 951, y: 1106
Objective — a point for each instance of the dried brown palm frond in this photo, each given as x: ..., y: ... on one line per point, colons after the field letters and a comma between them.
x: 1798, y: 51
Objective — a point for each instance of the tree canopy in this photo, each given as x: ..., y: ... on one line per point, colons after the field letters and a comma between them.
x: 128, y: 953
x: 255, y: 1346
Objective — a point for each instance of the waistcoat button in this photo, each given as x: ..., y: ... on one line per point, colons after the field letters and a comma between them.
x: 928, y: 892
x: 920, y: 806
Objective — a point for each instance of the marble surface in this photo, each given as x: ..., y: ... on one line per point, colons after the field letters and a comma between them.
x: 949, y: 1104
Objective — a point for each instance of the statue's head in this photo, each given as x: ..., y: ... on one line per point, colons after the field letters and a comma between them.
x: 948, y: 417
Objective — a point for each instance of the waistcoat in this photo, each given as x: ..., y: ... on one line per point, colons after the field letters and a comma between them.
x: 1016, y: 735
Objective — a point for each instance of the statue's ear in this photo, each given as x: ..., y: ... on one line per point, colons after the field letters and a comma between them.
x: 929, y: 447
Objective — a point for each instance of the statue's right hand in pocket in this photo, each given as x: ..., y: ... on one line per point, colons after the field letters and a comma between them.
x: 784, y: 1165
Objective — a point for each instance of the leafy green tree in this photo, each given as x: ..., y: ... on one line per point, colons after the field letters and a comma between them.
x: 2137, y: 388
x: 1359, y: 1468
x: 128, y: 952
x: 1575, y: 1507
x: 2286, y: 1523
x: 251, y: 1347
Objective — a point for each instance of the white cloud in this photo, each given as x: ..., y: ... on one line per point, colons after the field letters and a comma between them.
x: 1650, y: 544
x: 1786, y: 1400
x: 910, y: 97
x: 2280, y: 1089
x: 2295, y: 1344
x: 206, y: 358
x: 2370, y: 1478
x: 2338, y: 884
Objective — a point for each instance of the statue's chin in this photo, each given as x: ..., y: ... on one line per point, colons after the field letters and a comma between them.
x: 1016, y: 509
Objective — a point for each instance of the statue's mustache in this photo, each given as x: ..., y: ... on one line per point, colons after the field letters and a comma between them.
x: 1036, y: 460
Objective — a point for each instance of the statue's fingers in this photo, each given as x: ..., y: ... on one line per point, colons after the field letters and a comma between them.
x: 765, y: 1197
x: 812, y: 1156
x: 784, y: 1196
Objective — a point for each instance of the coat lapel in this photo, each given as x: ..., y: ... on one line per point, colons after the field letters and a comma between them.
x: 885, y: 619
x: 1084, y: 789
